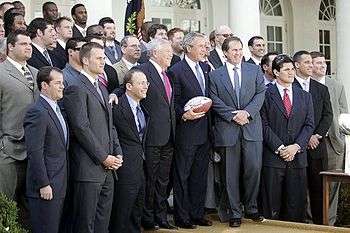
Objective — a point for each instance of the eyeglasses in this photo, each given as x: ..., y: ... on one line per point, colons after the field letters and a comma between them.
x: 225, y: 35
x: 144, y: 83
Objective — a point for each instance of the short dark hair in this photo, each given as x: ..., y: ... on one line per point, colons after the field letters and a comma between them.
x: 172, y: 32
x: 315, y: 54
x: 251, y: 40
x: 58, y: 21
x: 46, y: 5
x: 72, y: 43
x: 85, y: 50
x: 265, y: 60
x: 278, y: 62
x: 128, y: 76
x: 13, y: 37
x: 125, y: 40
x: 72, y: 11
x: 152, y: 30
x: 9, y: 19
x: 89, y: 30
x: 44, y: 75
x: 37, y: 24
x: 105, y: 20
x: 225, y: 46
x: 297, y: 55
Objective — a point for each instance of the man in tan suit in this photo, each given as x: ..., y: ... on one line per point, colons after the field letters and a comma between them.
x: 131, y: 50
x: 334, y: 139
x: 18, y: 89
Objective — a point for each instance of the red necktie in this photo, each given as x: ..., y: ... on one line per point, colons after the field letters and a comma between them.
x: 102, y: 80
x: 167, y: 86
x: 286, y: 102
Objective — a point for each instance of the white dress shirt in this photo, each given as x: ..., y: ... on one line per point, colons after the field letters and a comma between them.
x: 81, y: 30
x: 289, y: 92
x: 192, y: 65
x: 128, y: 64
x: 221, y: 55
x: 305, y: 83
x: 231, y: 73
x: 133, y: 105
x: 62, y: 43
x: 17, y: 65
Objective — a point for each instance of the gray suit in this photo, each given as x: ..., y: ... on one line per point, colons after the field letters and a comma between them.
x: 121, y: 69
x: 16, y: 95
x: 238, y: 143
x: 335, y: 140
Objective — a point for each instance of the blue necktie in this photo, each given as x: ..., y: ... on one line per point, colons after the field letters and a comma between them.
x: 62, y: 121
x: 141, y: 120
x: 200, y: 78
x: 236, y: 83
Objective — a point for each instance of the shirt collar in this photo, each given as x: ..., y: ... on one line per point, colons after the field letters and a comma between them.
x: 231, y: 66
x: 158, y: 68
x: 51, y: 102
x: 301, y: 80
x: 128, y: 64
x: 281, y: 88
x: 191, y: 63
x: 16, y: 64
x: 256, y: 61
x: 91, y: 79
x: 322, y: 80
x: 132, y: 102
x: 41, y: 49
x: 81, y: 30
x: 221, y: 54
x: 267, y: 81
x: 62, y: 43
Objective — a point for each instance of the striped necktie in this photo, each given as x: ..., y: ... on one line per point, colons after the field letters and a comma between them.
x: 28, y: 75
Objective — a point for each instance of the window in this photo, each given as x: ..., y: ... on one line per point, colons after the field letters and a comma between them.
x: 274, y: 39
x: 166, y: 21
x: 271, y: 7
x: 191, y: 25
x: 325, y: 47
x: 327, y: 10
x: 186, y: 4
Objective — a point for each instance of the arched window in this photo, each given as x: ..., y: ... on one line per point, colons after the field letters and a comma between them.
x: 185, y: 4
x: 271, y: 7
x: 327, y: 10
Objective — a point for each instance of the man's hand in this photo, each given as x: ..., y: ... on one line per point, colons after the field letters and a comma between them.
x: 241, y: 117
x: 191, y: 115
x: 314, y: 141
x: 288, y: 153
x: 110, y: 162
x: 113, y: 98
x: 46, y: 193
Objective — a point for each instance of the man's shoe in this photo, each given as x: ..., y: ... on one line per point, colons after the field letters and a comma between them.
x: 167, y: 225
x: 202, y: 222
x: 186, y: 225
x: 235, y: 222
x: 150, y: 227
x: 255, y: 217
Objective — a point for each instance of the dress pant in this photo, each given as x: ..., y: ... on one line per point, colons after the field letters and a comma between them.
x: 190, y: 181
x: 334, y: 161
x: 92, y: 205
x: 13, y: 185
x: 284, y: 193
x: 245, y: 156
x: 45, y: 215
x: 127, y: 207
x: 158, y: 163
x: 315, y: 185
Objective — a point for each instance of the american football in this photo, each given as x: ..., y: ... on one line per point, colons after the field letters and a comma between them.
x: 199, y: 104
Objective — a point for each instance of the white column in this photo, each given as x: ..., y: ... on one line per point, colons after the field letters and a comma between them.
x: 244, y: 20
x: 97, y: 9
x: 343, y: 48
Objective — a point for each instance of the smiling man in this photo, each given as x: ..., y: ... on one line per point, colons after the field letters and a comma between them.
x: 257, y: 48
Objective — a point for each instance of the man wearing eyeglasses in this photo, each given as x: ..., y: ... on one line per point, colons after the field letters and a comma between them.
x: 257, y: 48
x: 217, y: 57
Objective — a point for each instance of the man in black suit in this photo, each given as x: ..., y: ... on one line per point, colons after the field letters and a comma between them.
x: 43, y: 36
x: 63, y: 27
x: 46, y: 135
x: 79, y: 15
x: 190, y: 78
x: 257, y: 48
x: 112, y: 46
x: 95, y: 149
x: 130, y: 120
x: 237, y: 90
x: 323, y: 116
x: 266, y: 67
x: 216, y: 56
x: 288, y: 123
x: 161, y: 133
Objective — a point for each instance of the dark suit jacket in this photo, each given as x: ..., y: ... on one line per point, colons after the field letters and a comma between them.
x: 278, y: 129
x: 215, y: 59
x: 251, y: 61
x: 161, y: 127
x: 186, y: 87
x: 323, y: 114
x: 133, y: 148
x: 46, y: 150
x: 38, y: 60
x: 110, y: 55
x: 175, y: 59
x: 76, y: 33
x: 93, y: 134
x: 58, y: 57
x: 112, y: 76
x: 252, y: 93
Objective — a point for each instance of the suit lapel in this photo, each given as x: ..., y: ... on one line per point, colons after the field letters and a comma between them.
x: 54, y: 119
x: 40, y: 56
x: 297, y: 103
x: 276, y: 97
x: 15, y: 73
x: 91, y: 88
x: 244, y: 82
x: 206, y: 70
x: 225, y: 79
x: 157, y: 80
x: 191, y: 77
x: 128, y: 115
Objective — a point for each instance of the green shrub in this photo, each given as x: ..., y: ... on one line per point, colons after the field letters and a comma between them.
x: 9, y: 216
